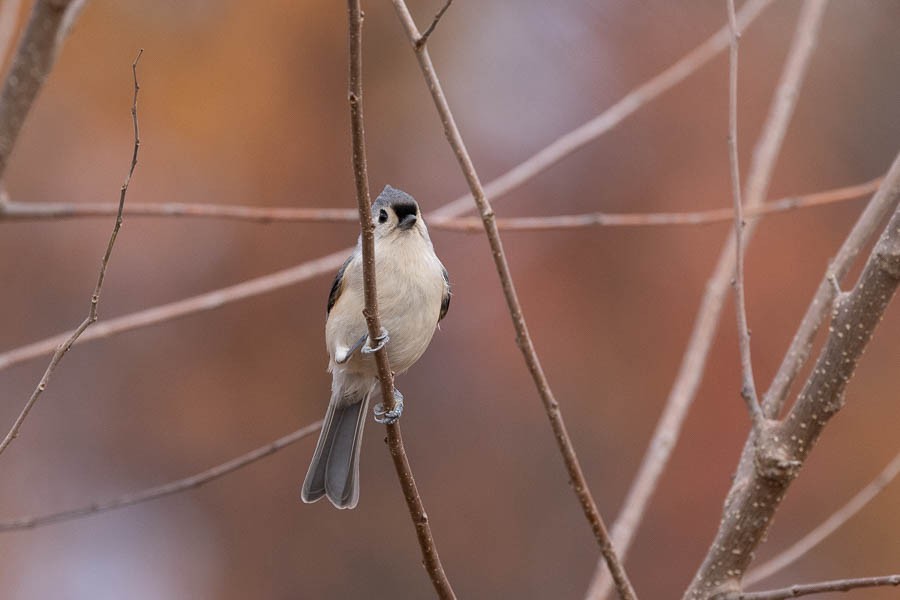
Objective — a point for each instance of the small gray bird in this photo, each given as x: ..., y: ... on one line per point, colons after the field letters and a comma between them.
x: 413, y: 296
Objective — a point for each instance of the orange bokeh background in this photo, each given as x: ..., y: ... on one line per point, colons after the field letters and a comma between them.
x: 245, y: 103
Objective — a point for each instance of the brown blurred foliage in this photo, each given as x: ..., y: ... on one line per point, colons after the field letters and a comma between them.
x: 246, y: 103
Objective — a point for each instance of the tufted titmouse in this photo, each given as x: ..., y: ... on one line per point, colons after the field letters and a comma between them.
x: 413, y: 296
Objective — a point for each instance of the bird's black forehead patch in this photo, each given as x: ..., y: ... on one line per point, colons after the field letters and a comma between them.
x: 404, y: 209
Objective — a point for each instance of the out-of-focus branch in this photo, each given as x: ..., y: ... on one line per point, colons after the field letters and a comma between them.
x: 660, y: 219
x: 518, y: 175
x: 781, y: 448
x: 167, y: 489
x: 95, y: 297
x: 693, y: 364
x: 11, y: 211
x: 430, y: 557
x: 837, y: 585
x: 827, y: 527
x: 31, y: 64
x: 523, y: 339
x: 885, y: 199
x: 9, y: 13
x: 748, y: 387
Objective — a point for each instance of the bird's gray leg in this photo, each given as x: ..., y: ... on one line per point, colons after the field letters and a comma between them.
x: 387, y: 417
x: 382, y: 339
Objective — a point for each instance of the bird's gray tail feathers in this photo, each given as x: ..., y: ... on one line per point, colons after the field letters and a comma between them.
x: 334, y: 470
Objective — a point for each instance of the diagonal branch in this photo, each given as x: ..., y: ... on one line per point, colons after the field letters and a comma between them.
x: 782, y: 447
x: 31, y: 64
x: 523, y: 339
x: 837, y: 585
x: 166, y: 489
x: 430, y: 558
x: 827, y: 527
x: 693, y: 363
x: 95, y: 297
x: 884, y: 200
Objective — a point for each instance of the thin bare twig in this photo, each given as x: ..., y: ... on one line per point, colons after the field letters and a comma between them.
x: 430, y: 557
x: 95, y: 297
x: 748, y: 387
x: 512, y: 179
x: 166, y: 489
x: 660, y: 219
x: 837, y: 585
x: 423, y: 39
x: 523, y: 339
x: 812, y: 539
x: 12, y: 211
x: 31, y: 64
x: 801, y: 345
x: 693, y: 363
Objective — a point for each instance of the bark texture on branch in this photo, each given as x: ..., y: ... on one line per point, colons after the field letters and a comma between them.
x: 783, y: 446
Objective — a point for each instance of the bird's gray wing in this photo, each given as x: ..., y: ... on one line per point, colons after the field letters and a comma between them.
x: 338, y: 286
x: 445, y: 300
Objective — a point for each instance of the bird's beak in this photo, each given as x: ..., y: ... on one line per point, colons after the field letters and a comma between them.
x: 407, y: 222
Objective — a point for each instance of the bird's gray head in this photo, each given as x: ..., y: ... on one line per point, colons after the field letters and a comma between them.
x: 396, y: 211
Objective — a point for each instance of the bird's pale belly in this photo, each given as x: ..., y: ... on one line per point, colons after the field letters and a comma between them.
x: 410, y: 315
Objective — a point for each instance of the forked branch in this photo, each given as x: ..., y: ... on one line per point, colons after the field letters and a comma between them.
x: 782, y: 447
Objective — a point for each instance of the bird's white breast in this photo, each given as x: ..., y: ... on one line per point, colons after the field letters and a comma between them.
x: 410, y: 283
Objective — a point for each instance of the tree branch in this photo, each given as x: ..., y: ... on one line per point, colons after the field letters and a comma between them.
x: 430, y: 557
x: 31, y: 64
x: 885, y: 199
x: 693, y: 364
x: 167, y: 489
x: 423, y: 39
x: 523, y: 338
x: 12, y: 211
x: 9, y: 13
x: 782, y: 447
x: 838, y: 585
x: 826, y: 528
x: 95, y: 297
x: 748, y: 387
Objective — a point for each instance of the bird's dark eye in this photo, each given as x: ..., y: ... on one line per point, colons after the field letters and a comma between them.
x: 382, y: 216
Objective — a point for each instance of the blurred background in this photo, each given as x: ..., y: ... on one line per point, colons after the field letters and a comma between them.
x: 245, y: 103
